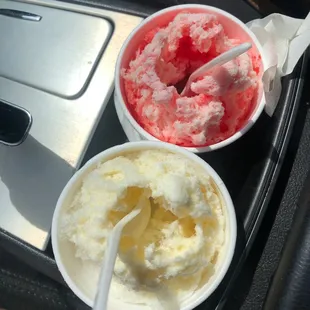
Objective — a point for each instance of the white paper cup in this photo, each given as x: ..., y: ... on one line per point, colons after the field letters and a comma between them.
x: 233, y: 28
x: 81, y: 279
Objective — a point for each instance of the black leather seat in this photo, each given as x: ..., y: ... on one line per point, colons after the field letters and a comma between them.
x: 290, y: 287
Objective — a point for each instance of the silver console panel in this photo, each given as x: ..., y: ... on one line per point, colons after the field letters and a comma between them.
x: 57, y: 61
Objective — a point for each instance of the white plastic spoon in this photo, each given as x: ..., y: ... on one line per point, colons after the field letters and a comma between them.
x: 217, y: 61
x: 132, y: 224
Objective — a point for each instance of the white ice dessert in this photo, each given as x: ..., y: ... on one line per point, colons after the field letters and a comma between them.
x: 184, y: 237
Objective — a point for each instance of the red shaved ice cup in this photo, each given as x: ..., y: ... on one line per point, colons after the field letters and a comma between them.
x: 234, y: 28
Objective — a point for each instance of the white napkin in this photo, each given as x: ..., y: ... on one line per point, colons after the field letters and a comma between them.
x: 284, y: 39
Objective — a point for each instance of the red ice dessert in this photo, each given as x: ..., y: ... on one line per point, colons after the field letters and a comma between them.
x: 219, y: 103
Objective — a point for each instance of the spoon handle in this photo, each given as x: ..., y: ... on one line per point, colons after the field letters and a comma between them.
x: 222, y: 59
x: 106, y: 273
x: 217, y: 61
x: 101, y: 301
